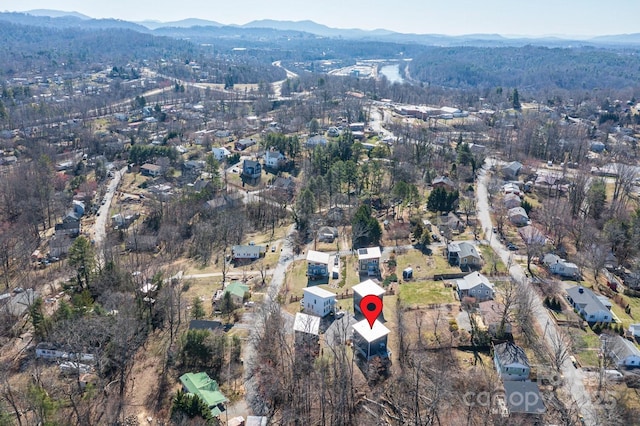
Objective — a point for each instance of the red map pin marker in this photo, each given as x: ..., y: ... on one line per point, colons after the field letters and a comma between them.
x: 371, y: 306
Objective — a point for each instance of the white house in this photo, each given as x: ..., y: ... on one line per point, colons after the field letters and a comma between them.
x: 511, y: 362
x: 318, y: 301
x: 634, y: 329
x: 274, y: 159
x: 369, y: 261
x: 51, y: 352
x: 560, y: 266
x: 518, y: 216
x: 247, y: 252
x: 475, y: 285
x: 591, y: 307
x: 363, y: 289
x: 511, y: 188
x: 220, y: 153
x: 622, y: 352
x: 370, y: 341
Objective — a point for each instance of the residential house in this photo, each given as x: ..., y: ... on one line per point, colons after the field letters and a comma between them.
x: 207, y: 389
x: 511, y: 201
x: 560, y: 266
x: 511, y: 188
x: 306, y: 330
x: 220, y: 153
x: 475, y: 285
x: 450, y: 222
x: 192, y: 169
x: 206, y: 325
x: 314, y: 141
x: 228, y: 200
x: 518, y: 216
x: 532, y: 235
x: 59, y: 245
x: 251, y: 170
x: 238, y: 291
x: 333, y: 132
x: 78, y: 208
x: 69, y: 228
x: 356, y: 127
x: 327, y: 234
x: 243, y: 144
x: 492, y: 313
x: 593, y: 308
x: 523, y: 397
x: 50, y: 351
x: 369, y: 261
x: 247, y: 252
x: 151, y: 170
x: 444, y: 182
x: 317, y: 264
x: 18, y: 304
x: 365, y: 288
x: 511, y: 170
x: 464, y: 254
x: 318, y: 301
x: 511, y: 362
x: 256, y: 421
x: 370, y: 341
x: 634, y: 330
x: 597, y: 146
x: 622, y: 352
x: 274, y: 159
x: 283, y: 188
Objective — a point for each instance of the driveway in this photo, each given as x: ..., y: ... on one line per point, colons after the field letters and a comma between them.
x: 574, y: 377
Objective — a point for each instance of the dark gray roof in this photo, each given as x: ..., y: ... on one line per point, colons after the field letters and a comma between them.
x: 463, y: 248
x: 523, y: 397
x: 510, y: 353
x: 205, y: 325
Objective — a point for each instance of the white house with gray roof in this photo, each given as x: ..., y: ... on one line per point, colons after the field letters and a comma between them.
x: 592, y: 307
x: 560, y: 266
x: 622, y: 352
x: 511, y: 362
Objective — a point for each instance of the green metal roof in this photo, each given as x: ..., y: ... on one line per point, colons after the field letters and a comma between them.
x: 207, y: 389
x: 237, y: 289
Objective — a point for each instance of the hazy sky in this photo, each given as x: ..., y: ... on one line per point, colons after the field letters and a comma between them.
x: 508, y: 17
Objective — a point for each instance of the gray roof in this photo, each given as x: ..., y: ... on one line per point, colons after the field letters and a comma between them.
x: 510, y: 353
x: 587, y: 299
x: 523, y: 397
x: 619, y: 348
x: 513, y: 167
x: 463, y: 248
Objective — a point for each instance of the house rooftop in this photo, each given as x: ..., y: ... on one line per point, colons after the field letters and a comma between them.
x: 202, y: 385
x: 523, y: 397
x: 588, y: 300
x: 510, y: 353
x: 368, y: 287
x: 237, y: 289
x: 619, y: 348
x: 463, y: 248
x: 306, y: 324
x: 472, y: 280
x: 319, y: 292
x: 369, y: 253
x: 205, y: 325
x: 318, y: 257
x: 370, y: 334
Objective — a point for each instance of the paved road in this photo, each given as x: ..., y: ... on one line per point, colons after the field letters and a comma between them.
x: 100, y: 227
x: 574, y: 378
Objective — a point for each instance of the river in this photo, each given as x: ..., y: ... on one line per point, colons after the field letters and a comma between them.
x: 392, y: 73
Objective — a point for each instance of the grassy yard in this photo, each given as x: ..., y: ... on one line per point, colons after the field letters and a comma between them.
x: 586, y: 345
x: 416, y: 260
x: 423, y: 293
x: 489, y: 257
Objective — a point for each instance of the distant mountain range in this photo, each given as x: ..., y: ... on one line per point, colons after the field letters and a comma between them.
x: 75, y: 19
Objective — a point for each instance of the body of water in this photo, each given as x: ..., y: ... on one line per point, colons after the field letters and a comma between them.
x: 392, y: 72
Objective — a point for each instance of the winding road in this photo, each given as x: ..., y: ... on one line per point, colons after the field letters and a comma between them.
x: 573, y: 377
